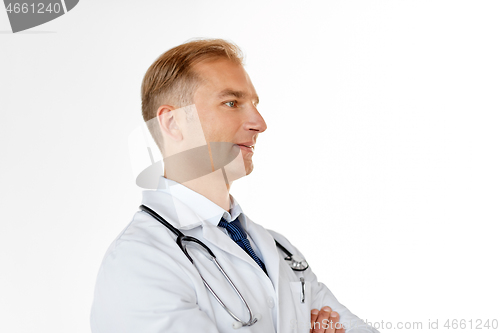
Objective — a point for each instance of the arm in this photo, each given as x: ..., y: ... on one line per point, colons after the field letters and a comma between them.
x: 322, y: 297
x: 141, y: 289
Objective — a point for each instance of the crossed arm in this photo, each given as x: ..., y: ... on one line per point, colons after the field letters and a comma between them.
x: 332, y: 316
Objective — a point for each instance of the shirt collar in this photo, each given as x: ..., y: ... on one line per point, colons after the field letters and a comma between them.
x: 189, y: 208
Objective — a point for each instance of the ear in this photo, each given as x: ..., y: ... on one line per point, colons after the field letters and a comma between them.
x: 169, y: 122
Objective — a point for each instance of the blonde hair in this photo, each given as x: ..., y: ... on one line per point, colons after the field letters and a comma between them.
x: 172, y: 80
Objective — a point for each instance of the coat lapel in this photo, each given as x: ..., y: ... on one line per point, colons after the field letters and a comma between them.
x: 267, y: 247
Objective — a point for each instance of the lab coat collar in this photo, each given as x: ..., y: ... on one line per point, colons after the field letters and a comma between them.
x: 186, y: 209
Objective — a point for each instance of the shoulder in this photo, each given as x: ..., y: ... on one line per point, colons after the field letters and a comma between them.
x: 286, y: 243
x: 280, y: 238
x: 143, y: 231
x: 143, y: 248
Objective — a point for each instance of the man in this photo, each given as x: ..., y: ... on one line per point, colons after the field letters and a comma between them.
x: 201, y: 109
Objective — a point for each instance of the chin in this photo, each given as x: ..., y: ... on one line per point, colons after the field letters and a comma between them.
x: 249, y: 168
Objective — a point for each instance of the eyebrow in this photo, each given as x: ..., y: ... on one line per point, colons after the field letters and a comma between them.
x: 235, y: 93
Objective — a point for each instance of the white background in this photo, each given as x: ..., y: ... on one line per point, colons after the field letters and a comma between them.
x: 380, y: 161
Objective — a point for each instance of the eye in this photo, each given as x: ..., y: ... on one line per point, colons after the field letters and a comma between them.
x: 231, y: 104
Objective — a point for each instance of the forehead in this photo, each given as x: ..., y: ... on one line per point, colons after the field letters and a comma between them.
x: 221, y: 75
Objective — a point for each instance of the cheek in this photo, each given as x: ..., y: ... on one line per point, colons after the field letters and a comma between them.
x: 207, y: 125
x: 217, y: 126
x: 218, y: 131
x: 210, y: 131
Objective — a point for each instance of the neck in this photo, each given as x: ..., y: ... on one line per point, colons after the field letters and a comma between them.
x: 212, y: 186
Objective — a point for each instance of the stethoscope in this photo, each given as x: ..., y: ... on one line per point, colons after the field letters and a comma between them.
x: 297, y: 264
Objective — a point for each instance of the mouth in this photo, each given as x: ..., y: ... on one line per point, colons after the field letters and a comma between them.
x: 247, y: 147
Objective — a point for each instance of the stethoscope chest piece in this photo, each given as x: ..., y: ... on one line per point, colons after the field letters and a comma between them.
x: 297, y: 263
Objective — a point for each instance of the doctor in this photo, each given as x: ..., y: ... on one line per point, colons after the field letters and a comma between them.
x: 201, y: 108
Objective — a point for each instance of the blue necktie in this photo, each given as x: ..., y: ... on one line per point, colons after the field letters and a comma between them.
x: 239, y: 235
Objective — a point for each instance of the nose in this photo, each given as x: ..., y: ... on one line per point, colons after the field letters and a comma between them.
x: 256, y: 121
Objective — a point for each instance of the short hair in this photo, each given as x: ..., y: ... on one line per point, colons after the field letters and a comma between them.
x: 172, y: 80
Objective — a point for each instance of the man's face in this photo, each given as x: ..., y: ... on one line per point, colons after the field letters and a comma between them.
x: 226, y: 103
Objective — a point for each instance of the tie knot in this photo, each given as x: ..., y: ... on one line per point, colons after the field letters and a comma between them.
x: 223, y: 223
x: 234, y: 229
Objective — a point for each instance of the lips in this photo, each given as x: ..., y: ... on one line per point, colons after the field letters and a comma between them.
x: 247, y: 145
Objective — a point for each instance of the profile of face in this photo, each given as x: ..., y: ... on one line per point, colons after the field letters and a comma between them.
x: 226, y: 102
x: 219, y: 131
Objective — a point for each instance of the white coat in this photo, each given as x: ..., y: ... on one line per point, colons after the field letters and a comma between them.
x: 147, y: 285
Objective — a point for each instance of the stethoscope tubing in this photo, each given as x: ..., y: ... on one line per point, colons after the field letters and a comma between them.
x: 180, y: 238
x: 183, y: 238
